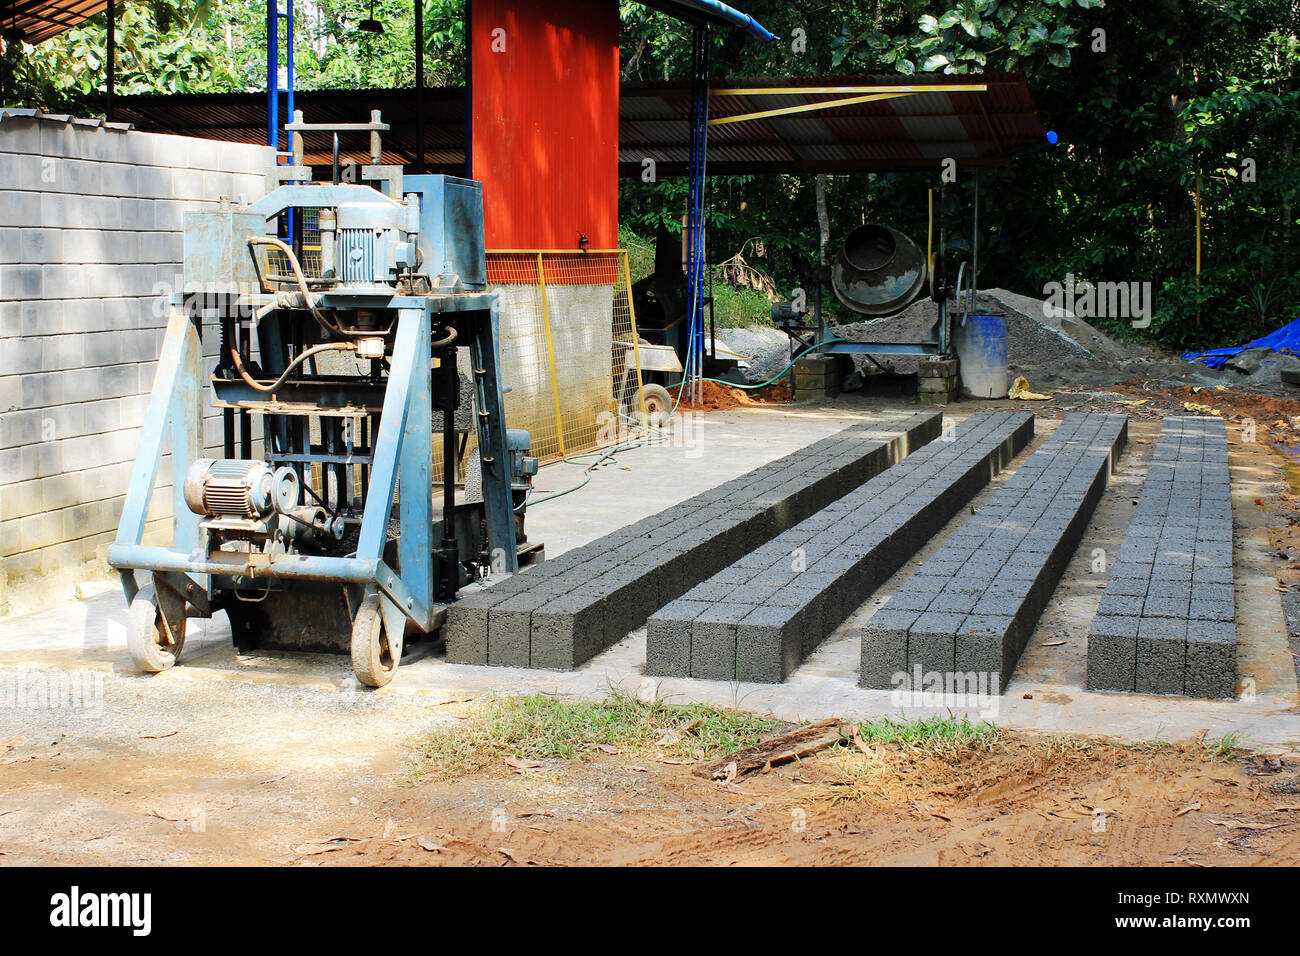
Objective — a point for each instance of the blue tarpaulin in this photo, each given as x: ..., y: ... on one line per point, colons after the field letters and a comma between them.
x: 1286, y: 338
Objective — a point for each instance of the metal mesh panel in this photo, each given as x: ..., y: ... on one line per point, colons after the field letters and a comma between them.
x: 568, y: 346
x: 275, y: 265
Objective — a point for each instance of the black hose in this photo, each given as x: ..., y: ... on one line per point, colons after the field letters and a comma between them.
x: 284, y: 376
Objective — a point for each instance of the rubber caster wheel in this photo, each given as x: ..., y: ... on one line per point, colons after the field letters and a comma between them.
x: 375, y: 655
x: 152, y: 648
x: 658, y: 404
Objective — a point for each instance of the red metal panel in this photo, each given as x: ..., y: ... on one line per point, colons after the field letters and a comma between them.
x: 545, y: 130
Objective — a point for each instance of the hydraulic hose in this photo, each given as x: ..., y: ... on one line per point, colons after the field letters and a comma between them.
x: 284, y: 376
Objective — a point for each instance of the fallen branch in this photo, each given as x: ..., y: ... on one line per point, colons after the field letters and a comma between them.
x: 774, y: 751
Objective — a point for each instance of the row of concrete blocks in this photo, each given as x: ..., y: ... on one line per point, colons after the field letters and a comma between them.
x: 561, y: 613
x: 1166, y: 622
x: 971, y: 607
x: 758, y: 619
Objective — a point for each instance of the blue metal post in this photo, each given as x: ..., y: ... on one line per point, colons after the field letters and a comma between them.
x: 695, y: 269
x: 415, y: 468
x: 173, y: 402
x: 273, y: 74
x: 273, y: 89
x: 288, y: 43
x: 412, y: 329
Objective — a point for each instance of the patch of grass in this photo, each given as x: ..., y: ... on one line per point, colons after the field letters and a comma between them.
x: 1225, y: 748
x: 937, y: 734
x: 640, y: 253
x: 899, y: 753
x: 542, y: 727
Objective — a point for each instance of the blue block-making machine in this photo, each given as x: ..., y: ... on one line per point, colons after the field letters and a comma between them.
x: 339, y: 308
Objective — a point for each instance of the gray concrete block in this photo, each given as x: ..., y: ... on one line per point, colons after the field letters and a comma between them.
x: 766, y: 651
x: 1211, y: 611
x: 1112, y: 654
x: 1161, y: 656
x: 509, y: 625
x: 983, y: 646
x: 884, y: 647
x: 566, y: 632
x: 466, y: 635
x: 713, y: 641
x: 1211, y: 670
x: 931, y: 642
x: 668, y: 647
x: 668, y: 638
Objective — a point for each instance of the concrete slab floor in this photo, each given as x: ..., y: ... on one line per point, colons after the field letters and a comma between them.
x: 1045, y: 694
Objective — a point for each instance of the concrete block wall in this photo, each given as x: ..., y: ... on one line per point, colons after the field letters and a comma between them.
x: 90, y: 249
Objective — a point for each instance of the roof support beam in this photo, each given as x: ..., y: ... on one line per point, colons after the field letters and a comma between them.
x: 830, y: 104
x: 788, y: 90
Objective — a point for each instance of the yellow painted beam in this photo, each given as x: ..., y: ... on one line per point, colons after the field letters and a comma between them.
x: 550, y: 355
x: 804, y: 108
x: 787, y: 90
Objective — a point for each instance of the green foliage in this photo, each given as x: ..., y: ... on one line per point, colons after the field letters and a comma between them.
x: 1169, y: 95
x: 208, y: 46
x: 739, y: 308
x: 163, y: 46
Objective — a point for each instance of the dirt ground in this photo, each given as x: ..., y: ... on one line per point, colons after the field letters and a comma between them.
x: 252, y: 786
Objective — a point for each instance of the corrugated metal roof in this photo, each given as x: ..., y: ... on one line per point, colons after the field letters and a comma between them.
x: 40, y: 20
x: 913, y: 132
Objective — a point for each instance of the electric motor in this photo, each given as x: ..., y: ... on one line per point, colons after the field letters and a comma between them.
x: 230, y: 487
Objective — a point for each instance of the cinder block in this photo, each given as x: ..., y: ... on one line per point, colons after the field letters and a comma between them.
x: 766, y: 651
x: 1211, y: 670
x: 668, y: 643
x: 1161, y: 656
x: 20, y: 134
x: 1112, y: 654
x: 984, y: 645
x: 567, y: 632
x: 466, y: 626
x: 509, y: 625
x: 713, y: 641
x: 884, y: 647
x: 931, y: 642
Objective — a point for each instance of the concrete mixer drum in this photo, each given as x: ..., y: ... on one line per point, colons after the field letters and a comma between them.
x: 878, y: 271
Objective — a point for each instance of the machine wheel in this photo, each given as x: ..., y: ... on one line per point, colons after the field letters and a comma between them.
x: 658, y: 403
x: 374, y: 656
x: 146, y: 634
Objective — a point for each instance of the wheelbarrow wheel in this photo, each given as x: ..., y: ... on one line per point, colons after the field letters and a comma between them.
x: 658, y: 404
x: 375, y: 655
x: 146, y: 634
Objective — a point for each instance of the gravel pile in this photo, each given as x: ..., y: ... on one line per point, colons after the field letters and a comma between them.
x: 1050, y: 351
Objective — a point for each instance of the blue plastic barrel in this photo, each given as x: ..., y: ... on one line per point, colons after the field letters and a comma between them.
x: 981, y: 343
